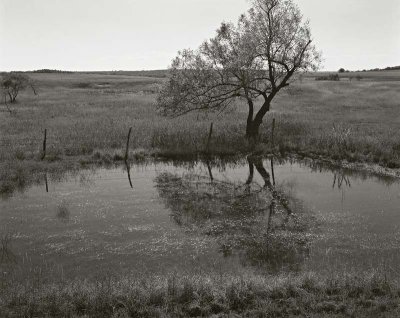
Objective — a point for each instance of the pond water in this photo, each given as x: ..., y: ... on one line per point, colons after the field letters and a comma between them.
x: 254, y: 215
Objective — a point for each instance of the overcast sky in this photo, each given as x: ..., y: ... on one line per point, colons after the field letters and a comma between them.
x: 146, y: 34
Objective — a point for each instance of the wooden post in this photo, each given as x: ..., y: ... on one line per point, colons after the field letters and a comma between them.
x: 44, y: 144
x: 272, y: 133
x: 209, y: 138
x: 271, y: 213
x: 272, y: 171
x: 127, y: 145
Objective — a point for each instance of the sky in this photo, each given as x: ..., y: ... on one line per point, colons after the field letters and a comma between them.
x: 88, y: 35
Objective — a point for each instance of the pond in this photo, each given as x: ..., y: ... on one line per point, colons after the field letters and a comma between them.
x: 257, y: 215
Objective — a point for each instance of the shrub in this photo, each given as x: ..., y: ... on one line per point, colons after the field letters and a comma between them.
x: 330, y: 77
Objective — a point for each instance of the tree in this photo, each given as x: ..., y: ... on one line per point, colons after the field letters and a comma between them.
x: 342, y: 70
x: 252, y: 60
x: 12, y: 83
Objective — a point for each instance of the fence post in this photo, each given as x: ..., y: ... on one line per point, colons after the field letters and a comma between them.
x: 272, y: 171
x: 209, y: 138
x: 44, y: 144
x: 272, y: 133
x: 127, y: 145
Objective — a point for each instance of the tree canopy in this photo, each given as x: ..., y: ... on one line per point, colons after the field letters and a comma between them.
x: 253, y: 59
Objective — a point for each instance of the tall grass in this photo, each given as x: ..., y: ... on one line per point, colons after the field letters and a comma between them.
x: 306, y: 295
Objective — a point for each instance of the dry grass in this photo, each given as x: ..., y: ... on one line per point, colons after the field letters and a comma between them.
x: 307, y: 295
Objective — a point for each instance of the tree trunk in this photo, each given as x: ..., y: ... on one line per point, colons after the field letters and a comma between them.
x: 250, y: 118
x: 253, y: 125
x: 252, y: 129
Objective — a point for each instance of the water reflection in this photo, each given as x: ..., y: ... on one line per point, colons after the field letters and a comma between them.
x: 209, y: 170
x: 362, y: 174
x: 253, y: 222
x: 18, y: 179
x: 339, y: 178
x: 46, y: 182
x: 128, y: 169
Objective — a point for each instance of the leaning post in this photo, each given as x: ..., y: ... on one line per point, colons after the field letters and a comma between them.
x: 44, y: 144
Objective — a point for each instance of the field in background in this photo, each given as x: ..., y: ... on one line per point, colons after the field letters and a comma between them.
x: 87, y: 117
x: 390, y: 75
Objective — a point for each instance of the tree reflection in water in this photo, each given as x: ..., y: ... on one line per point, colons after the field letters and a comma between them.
x: 263, y: 225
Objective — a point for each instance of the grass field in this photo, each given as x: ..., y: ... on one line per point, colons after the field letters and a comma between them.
x: 90, y: 114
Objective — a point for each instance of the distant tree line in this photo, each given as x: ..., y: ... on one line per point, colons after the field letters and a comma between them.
x: 46, y: 70
x: 392, y: 68
x: 389, y: 68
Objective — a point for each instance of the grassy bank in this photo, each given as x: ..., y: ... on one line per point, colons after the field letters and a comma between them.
x: 308, y: 295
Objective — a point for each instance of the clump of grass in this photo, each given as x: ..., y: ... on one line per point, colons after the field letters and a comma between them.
x: 55, y: 153
x: 20, y: 155
x: 330, y: 77
x: 83, y: 85
x: 140, y: 155
x: 118, y: 157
